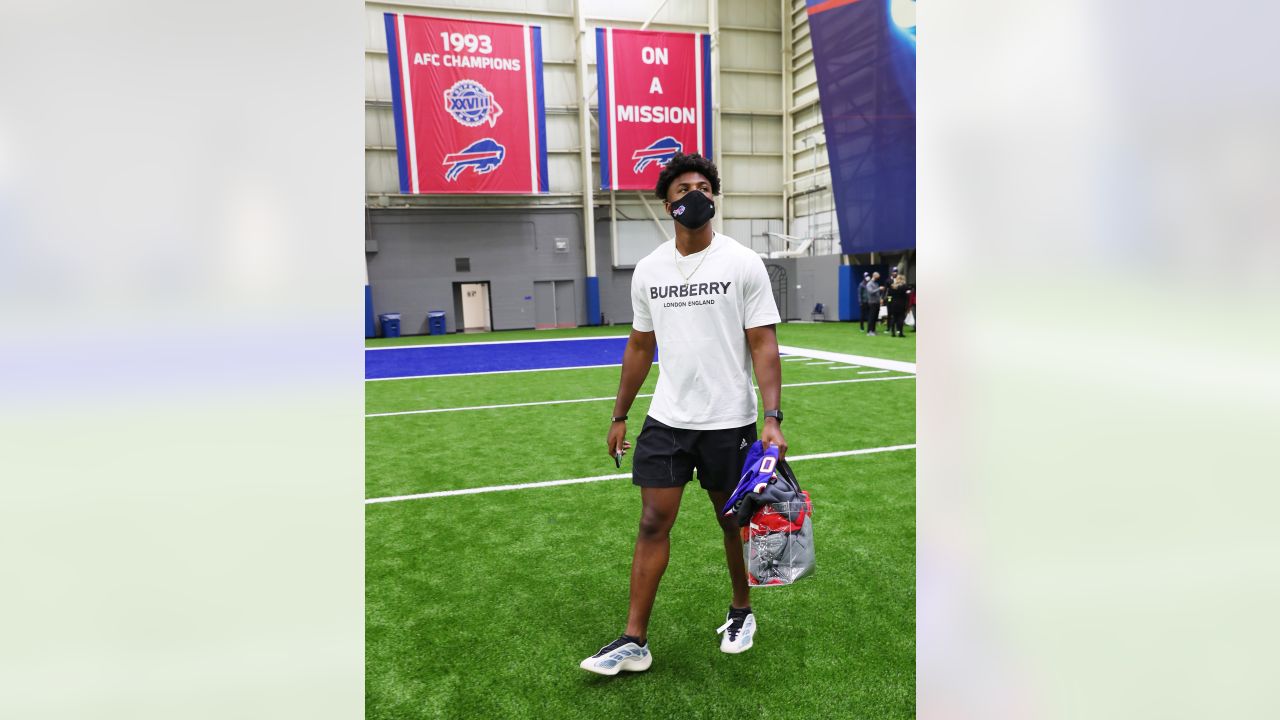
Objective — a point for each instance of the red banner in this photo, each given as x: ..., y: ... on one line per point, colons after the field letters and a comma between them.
x: 655, y: 101
x: 469, y: 108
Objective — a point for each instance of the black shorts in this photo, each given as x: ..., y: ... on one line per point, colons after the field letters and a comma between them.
x: 666, y: 456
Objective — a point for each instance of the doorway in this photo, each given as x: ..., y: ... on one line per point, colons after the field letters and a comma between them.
x: 472, y: 308
x: 554, y: 304
x: 778, y: 281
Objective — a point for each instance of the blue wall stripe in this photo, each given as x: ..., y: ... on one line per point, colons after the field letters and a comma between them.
x: 543, y: 177
x: 706, y: 97
x: 397, y: 102
x: 602, y: 116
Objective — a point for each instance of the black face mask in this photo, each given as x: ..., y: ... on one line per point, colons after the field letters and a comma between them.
x: 693, y: 210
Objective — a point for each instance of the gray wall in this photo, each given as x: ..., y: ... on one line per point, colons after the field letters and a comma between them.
x: 819, y: 281
x: 615, y: 285
x: 817, y: 278
x: 412, y: 270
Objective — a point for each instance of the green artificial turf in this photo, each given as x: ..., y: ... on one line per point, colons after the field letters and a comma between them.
x: 481, y: 606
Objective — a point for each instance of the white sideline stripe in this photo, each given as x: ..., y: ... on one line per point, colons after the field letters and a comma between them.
x: 615, y: 476
x: 872, y: 372
x: 492, y: 372
x: 600, y: 399
x: 821, y: 362
x: 845, y: 367
x: 851, y: 359
x: 499, y: 342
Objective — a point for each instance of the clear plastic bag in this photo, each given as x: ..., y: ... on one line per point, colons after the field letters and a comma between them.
x: 778, y: 543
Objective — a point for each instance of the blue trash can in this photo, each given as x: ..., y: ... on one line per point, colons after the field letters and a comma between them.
x: 390, y: 324
x: 436, y: 324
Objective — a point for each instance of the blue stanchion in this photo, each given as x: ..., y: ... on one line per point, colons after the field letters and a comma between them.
x: 593, y: 300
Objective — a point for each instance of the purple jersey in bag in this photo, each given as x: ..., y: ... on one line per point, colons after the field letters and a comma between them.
x: 765, y: 480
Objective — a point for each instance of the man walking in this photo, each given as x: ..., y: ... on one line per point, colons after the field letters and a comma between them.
x: 874, y: 293
x: 862, y: 302
x: 707, y: 301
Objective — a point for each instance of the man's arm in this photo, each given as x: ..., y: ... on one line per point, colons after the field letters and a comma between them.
x: 637, y: 358
x: 763, y: 341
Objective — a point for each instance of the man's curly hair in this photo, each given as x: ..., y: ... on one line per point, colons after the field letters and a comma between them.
x: 681, y: 164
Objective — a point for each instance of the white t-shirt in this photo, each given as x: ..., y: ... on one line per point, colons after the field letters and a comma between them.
x: 700, y: 325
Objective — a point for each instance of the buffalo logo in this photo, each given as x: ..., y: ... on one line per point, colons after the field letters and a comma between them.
x: 659, y: 152
x: 483, y: 156
x: 471, y: 104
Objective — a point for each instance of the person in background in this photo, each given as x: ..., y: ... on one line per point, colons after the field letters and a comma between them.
x: 862, y: 302
x: 874, y: 296
x: 897, y: 298
x: 915, y: 312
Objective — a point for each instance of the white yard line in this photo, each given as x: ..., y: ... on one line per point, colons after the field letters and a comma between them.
x: 850, y: 359
x: 821, y: 362
x: 602, y: 399
x: 615, y: 476
x: 872, y: 372
x: 495, y: 407
x: 854, y: 380
x: 845, y: 367
x: 499, y: 342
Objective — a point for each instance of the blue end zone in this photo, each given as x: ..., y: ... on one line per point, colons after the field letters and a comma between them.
x: 368, y: 312
x: 593, y: 300
x: 848, y: 297
x: 491, y: 357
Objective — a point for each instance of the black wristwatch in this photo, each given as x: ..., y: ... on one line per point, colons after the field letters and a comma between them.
x: 775, y: 414
x: 619, y: 418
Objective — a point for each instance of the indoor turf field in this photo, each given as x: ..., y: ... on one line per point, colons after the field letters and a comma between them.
x: 481, y: 605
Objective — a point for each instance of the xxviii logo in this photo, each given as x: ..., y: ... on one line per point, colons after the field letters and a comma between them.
x: 482, y: 156
x: 659, y: 152
x: 471, y: 104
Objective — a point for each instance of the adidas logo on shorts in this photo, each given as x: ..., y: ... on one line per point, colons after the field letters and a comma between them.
x: 744, y: 444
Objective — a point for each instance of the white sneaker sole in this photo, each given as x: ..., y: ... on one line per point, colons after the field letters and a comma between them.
x: 735, y: 648
x: 630, y: 665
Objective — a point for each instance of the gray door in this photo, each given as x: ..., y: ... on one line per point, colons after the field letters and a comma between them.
x: 807, y: 294
x: 566, y: 308
x: 475, y: 306
x: 544, y: 304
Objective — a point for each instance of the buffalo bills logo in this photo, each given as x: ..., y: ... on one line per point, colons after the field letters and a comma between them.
x: 678, y: 212
x: 471, y: 104
x: 483, y: 156
x: 659, y: 152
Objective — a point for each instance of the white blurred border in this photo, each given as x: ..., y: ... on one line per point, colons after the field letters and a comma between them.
x: 180, y: 364
x: 1098, y: 205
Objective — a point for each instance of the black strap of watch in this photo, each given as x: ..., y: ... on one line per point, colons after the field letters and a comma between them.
x: 775, y: 414
x: 619, y: 418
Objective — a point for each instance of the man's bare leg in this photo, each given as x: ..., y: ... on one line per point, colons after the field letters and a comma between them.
x: 732, y: 551
x: 653, y: 549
